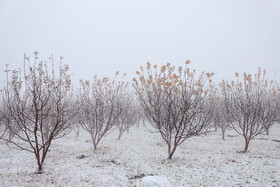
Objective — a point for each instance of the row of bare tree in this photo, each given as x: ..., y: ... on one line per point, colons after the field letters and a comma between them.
x: 106, y: 104
x: 249, y: 105
x: 38, y: 105
x: 180, y: 104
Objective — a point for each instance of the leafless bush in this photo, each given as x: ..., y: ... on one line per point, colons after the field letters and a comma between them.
x: 4, y: 129
x: 76, y: 121
x: 102, y: 106
x: 221, y: 117
x: 252, y: 104
x: 128, y: 117
x: 176, y: 103
x: 140, y: 114
x: 36, y: 107
x: 76, y: 128
x: 278, y: 103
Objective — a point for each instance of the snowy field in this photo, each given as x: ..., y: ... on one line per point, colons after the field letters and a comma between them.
x: 199, y: 161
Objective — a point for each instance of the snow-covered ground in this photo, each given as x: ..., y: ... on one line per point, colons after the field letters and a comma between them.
x: 199, y: 161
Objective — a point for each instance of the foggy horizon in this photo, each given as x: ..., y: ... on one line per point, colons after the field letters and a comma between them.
x: 100, y: 38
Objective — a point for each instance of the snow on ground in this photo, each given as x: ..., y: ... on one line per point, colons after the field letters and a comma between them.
x: 199, y: 161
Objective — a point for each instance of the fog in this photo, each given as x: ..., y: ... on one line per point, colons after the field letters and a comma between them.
x: 102, y: 37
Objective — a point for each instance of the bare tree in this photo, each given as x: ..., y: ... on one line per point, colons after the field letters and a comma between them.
x: 4, y: 129
x: 128, y: 117
x: 221, y: 112
x: 176, y: 102
x: 76, y: 128
x: 252, y: 104
x: 36, y: 108
x: 278, y: 104
x: 140, y: 114
x: 277, y: 101
x: 76, y: 121
x: 102, y: 106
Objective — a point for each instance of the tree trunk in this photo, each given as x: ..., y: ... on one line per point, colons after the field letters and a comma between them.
x: 94, y: 144
x: 267, y: 131
x: 170, y: 153
x: 127, y: 130
x: 120, y: 135
x: 40, y: 167
x: 77, y: 133
x: 246, y: 145
x: 223, y: 133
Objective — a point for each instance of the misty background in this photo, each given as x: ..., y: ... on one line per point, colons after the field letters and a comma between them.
x: 102, y: 37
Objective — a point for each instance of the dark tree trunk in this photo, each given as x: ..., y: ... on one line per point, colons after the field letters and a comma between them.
x: 94, y: 144
x: 40, y: 167
x: 246, y: 145
x: 170, y: 153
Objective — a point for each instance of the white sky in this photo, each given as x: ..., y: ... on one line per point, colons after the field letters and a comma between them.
x: 101, y: 37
